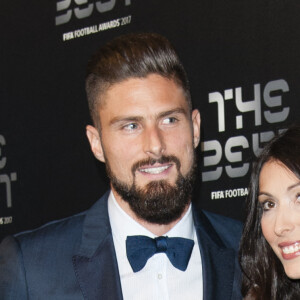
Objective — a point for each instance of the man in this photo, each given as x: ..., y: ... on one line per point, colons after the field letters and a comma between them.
x: 141, y: 240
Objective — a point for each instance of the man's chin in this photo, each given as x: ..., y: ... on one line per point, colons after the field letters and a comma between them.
x: 141, y: 181
x: 151, y: 184
x: 158, y: 202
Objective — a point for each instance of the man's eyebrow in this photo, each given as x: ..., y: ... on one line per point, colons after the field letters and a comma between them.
x: 119, y: 119
x: 178, y: 110
x: 125, y: 119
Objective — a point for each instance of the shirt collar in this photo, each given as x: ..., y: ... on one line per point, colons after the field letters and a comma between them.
x: 123, y: 225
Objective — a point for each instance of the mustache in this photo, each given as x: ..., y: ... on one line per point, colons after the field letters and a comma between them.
x: 151, y: 161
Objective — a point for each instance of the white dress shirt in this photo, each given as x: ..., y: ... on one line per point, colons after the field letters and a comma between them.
x: 159, y: 279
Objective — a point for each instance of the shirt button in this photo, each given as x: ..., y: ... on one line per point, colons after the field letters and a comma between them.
x: 159, y: 276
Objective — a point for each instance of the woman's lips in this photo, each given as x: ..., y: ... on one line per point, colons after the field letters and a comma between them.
x: 290, y: 250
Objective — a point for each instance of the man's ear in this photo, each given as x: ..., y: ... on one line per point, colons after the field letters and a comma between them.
x: 95, y: 142
x: 196, y: 121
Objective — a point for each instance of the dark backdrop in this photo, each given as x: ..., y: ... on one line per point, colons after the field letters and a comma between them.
x: 242, y: 58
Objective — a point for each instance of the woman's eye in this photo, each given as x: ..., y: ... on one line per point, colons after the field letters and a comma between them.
x: 298, y: 197
x: 267, y: 205
x: 169, y: 120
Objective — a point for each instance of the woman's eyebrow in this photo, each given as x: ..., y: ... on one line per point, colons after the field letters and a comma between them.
x: 264, y: 193
x: 293, y: 186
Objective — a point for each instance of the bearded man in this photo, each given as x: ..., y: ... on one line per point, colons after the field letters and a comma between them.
x: 142, y: 239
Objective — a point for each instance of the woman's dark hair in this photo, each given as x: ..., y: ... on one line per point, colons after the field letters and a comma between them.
x: 134, y: 55
x: 263, y: 274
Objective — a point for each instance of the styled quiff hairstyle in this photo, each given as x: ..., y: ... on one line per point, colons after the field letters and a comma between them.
x: 132, y: 56
x: 263, y: 274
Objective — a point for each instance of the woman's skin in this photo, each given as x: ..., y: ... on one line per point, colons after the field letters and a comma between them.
x: 279, y: 195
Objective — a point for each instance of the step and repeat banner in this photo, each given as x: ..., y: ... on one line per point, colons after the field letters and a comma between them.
x: 242, y: 59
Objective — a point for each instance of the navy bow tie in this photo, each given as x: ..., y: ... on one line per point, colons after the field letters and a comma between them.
x: 140, y: 248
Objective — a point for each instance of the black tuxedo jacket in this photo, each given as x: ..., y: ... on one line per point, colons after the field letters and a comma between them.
x: 75, y: 258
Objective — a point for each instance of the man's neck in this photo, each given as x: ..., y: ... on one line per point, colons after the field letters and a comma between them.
x: 157, y: 229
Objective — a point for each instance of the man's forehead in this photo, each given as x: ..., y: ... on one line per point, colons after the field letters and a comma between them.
x: 136, y: 90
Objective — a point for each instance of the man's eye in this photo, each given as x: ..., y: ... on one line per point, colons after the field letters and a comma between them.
x: 130, y: 126
x: 170, y: 120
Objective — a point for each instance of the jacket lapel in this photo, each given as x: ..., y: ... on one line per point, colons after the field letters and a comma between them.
x: 218, y: 261
x: 95, y: 264
x: 96, y: 268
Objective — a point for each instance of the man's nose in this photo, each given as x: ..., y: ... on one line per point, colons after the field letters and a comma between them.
x: 154, y: 144
x: 284, y: 222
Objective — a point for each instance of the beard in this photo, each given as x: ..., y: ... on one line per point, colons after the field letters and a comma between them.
x: 158, y: 201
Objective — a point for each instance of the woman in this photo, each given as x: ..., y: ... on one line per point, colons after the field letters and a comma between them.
x: 270, y: 245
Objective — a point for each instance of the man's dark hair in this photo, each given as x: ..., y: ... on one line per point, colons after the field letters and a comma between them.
x: 132, y: 56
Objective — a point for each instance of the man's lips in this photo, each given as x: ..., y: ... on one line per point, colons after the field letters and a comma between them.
x: 155, y: 169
